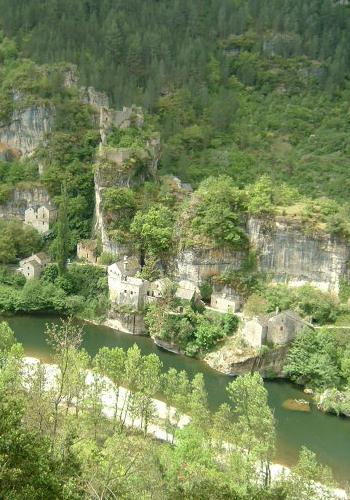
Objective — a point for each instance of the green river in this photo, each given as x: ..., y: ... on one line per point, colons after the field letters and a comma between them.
x: 328, y: 436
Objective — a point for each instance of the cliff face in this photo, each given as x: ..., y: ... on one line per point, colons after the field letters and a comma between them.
x: 283, y: 251
x: 292, y: 257
x: 198, y: 265
x: 27, y: 129
x: 22, y: 199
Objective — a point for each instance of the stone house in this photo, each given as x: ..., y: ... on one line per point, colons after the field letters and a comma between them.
x: 254, y: 331
x: 225, y: 300
x: 186, y: 290
x: 157, y: 289
x: 40, y: 218
x: 87, y: 251
x: 283, y: 327
x: 124, y: 287
x: 277, y: 329
x: 33, y: 266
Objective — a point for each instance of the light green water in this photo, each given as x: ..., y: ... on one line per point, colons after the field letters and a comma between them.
x: 327, y: 435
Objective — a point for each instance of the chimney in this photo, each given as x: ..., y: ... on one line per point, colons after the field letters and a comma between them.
x: 126, y: 264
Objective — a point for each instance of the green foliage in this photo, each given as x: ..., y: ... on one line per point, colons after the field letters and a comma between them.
x: 28, y: 467
x: 321, y: 307
x: 260, y: 200
x: 57, y: 443
x: 119, y: 206
x: 17, y: 241
x: 215, y: 215
x: 306, y: 477
x: 81, y: 291
x: 153, y: 231
x: 196, y: 333
x: 312, y: 359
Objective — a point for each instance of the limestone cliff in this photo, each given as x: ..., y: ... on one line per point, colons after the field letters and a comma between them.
x: 27, y: 128
x: 290, y: 256
x: 197, y: 265
x: 284, y: 252
x: 22, y: 199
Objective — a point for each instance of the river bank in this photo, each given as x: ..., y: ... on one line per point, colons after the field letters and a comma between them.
x: 162, y: 413
x: 228, y: 359
x: 326, y: 435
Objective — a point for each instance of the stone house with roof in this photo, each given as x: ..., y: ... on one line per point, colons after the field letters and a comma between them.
x: 276, y: 329
x: 124, y: 287
x: 283, y: 327
x: 33, y: 266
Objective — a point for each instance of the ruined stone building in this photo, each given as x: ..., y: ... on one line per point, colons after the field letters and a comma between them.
x: 87, y: 251
x: 225, y: 300
x: 40, y: 218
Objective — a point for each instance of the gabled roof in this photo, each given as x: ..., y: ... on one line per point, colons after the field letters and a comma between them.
x: 42, y: 256
x: 39, y: 258
x: 186, y: 290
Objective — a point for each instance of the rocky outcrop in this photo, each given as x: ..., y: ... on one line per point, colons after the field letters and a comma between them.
x: 334, y: 401
x: 197, y: 265
x: 27, y: 129
x: 22, y: 199
x: 132, y: 323
x: 234, y: 361
x: 292, y: 257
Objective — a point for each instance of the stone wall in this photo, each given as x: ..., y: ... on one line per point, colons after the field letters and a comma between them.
x: 293, y: 257
x: 236, y: 362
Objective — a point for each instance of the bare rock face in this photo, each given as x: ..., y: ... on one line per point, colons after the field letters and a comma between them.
x: 27, y: 129
x: 22, y: 199
x: 197, y: 265
x: 294, y: 258
x: 234, y: 361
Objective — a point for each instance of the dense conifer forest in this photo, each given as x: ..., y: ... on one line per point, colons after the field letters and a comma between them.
x: 242, y: 87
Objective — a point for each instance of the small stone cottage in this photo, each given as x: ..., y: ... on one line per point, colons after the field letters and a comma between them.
x: 283, y: 327
x: 254, y: 331
x: 276, y: 329
x: 225, y: 300
x: 33, y: 266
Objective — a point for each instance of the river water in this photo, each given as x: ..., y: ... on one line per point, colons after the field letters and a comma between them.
x: 326, y: 435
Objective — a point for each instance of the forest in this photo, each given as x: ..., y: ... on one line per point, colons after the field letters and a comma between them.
x: 241, y: 87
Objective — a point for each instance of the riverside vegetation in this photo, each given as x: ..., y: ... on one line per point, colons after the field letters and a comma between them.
x: 56, y: 441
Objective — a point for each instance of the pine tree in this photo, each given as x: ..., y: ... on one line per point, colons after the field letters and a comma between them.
x: 62, y: 239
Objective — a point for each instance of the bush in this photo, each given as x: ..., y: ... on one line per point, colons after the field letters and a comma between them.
x: 17, y: 241
x: 255, y: 306
x: 312, y: 359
